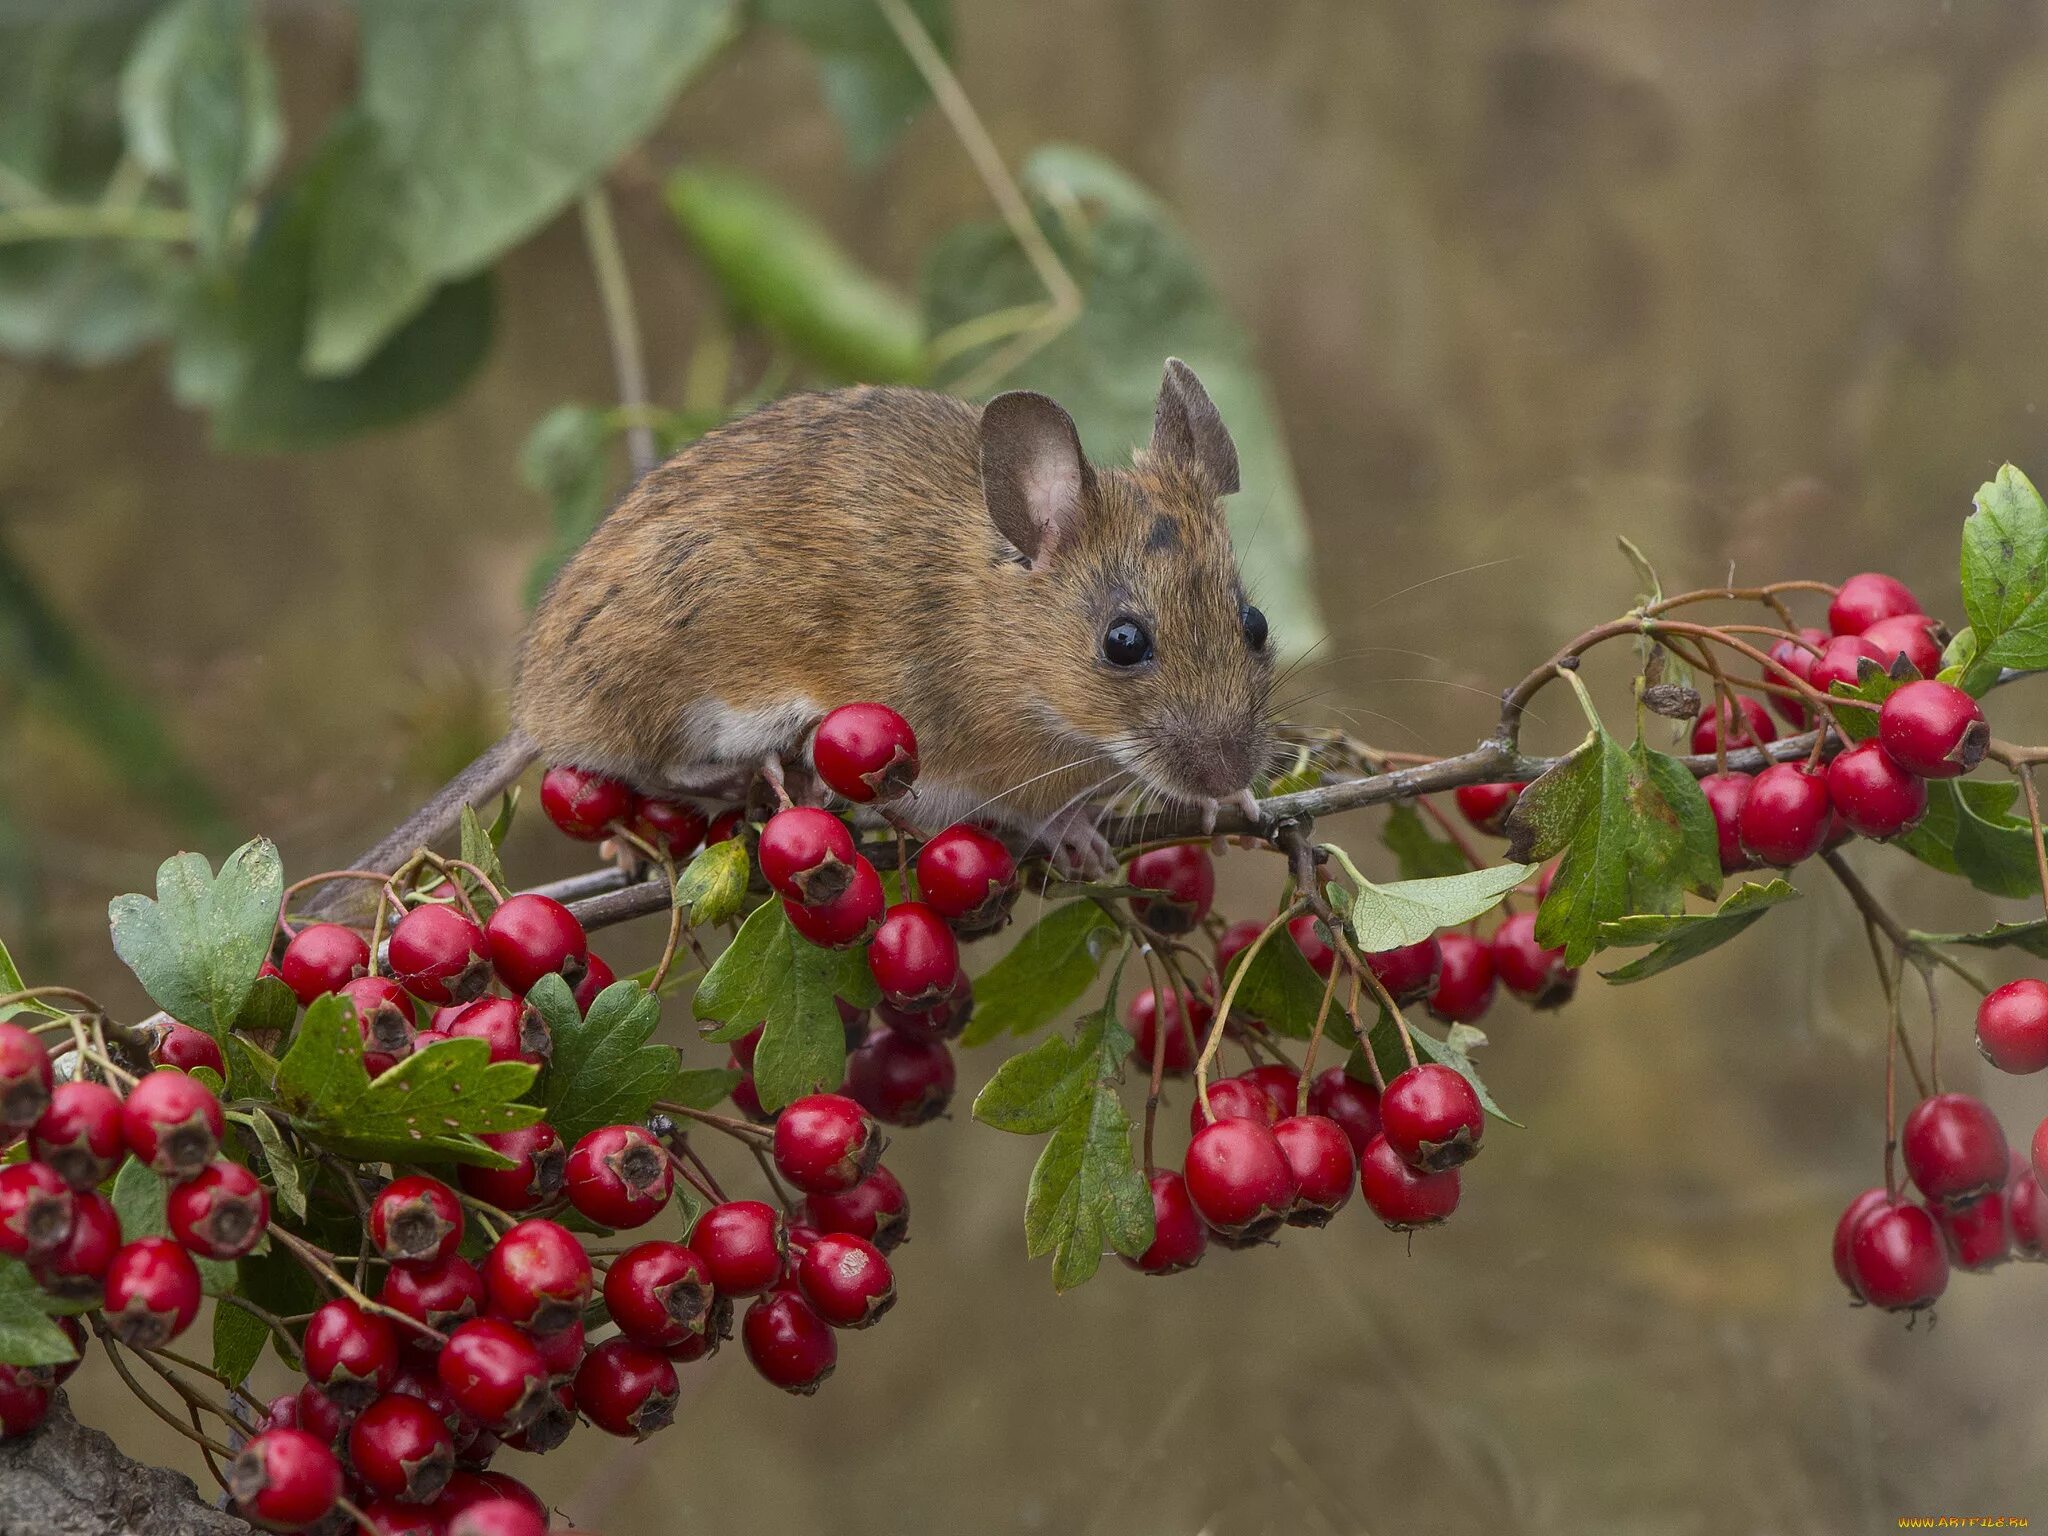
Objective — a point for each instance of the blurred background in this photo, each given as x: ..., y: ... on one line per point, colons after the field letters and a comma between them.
x: 1486, y: 285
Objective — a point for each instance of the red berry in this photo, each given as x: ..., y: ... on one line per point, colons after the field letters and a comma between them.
x: 415, y: 1220
x: 626, y: 1390
x: 152, y: 1292
x: 1911, y: 635
x: 1753, y: 729
x: 532, y: 936
x: 1845, y: 1228
x: 1526, y: 968
x: 1184, y: 876
x: 1234, y: 1098
x: 807, y: 855
x: 1954, y: 1148
x: 674, y: 826
x: 1239, y: 1179
x: 1841, y: 661
x: 849, y: 919
x: 730, y: 822
x: 968, y: 877
x: 1431, y: 1117
x: 596, y: 977
x: 494, y: 1373
x: 1974, y: 1231
x: 284, y: 1480
x: 1403, y: 1197
x: 1308, y: 938
x: 79, y: 1134
x: 913, y: 956
x: 35, y: 1210
x: 865, y: 752
x: 1280, y: 1084
x: 562, y: 1351
x: 1726, y: 795
x: 1799, y: 661
x: 1337, y: 1095
x: 321, y: 1416
x: 1236, y: 939
x: 512, y: 1028
x: 395, y: 1517
x: 1933, y: 729
x: 900, y: 1080
x: 846, y: 1280
x: 1408, y: 973
x: 441, y: 956
x: 2012, y: 1026
x: 221, y: 1212
x: 184, y: 1047
x: 1465, y: 980
x: 496, y: 1517
x: 1324, y: 1166
x: 619, y: 1176
x: 876, y: 1209
x: 584, y: 805
x: 400, y: 1449
x: 1183, y: 1038
x: 1864, y: 599
x: 825, y: 1143
x: 659, y: 1293
x: 1486, y: 806
x: 76, y: 1268
x: 788, y: 1343
x: 1787, y: 814
x: 1896, y: 1258
x: 1179, y: 1237
x: 539, y: 1276
x: 24, y: 1078
x: 323, y: 958
x: 439, y: 1295
x: 383, y: 1016
x: 534, y: 1177
x: 743, y: 1245
x: 1875, y: 796
x: 172, y: 1123
x: 2026, y: 1211
x: 942, y: 1021
x: 350, y: 1354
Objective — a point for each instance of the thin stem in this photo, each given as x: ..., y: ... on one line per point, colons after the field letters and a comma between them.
x: 741, y: 1130
x: 319, y: 1263
x: 67, y: 221
x: 621, y: 324
x: 113, y: 1354
x: 1244, y: 965
x: 2026, y: 778
x: 1308, y: 1060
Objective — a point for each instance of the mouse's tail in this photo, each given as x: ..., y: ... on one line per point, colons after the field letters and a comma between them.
x: 496, y: 770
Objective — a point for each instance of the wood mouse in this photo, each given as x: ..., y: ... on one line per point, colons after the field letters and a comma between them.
x: 1049, y: 628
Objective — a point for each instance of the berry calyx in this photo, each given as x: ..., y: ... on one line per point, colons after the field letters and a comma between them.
x: 384, y: 1017
x: 846, y: 1280
x: 1336, y: 1095
x: 585, y: 805
x: 323, y: 958
x: 399, y: 1448
x: 1431, y: 1117
x: 848, y: 919
x: 806, y: 855
x: 825, y: 1143
x: 284, y: 1480
x: 1487, y: 806
x: 1875, y: 796
x: 1324, y: 1167
x: 349, y: 1354
x: 865, y: 752
x: 152, y: 1293
x: 1239, y: 1179
x: 1933, y: 729
x: 1865, y: 599
x: 35, y: 1210
x: 538, y: 1276
x: 789, y: 1344
x: 536, y: 1174
x: 1464, y: 981
x: 440, y: 956
x: 1179, y: 1235
x: 968, y: 877
x: 1896, y: 1258
x: 495, y: 1374
x: 1787, y: 815
x: 1953, y: 1147
x: 659, y: 1293
x: 743, y: 1246
x: 1408, y: 973
x: 1403, y: 1197
x: 415, y: 1220
x: 221, y: 1212
x: 79, y: 1134
x: 899, y: 1079
x: 876, y: 1208
x: 76, y: 1267
x: 1184, y: 876
x: 532, y: 936
x: 913, y: 956
x: 172, y: 1123
x: 619, y: 1176
x: 1752, y: 726
x: 627, y: 1390
x: 1534, y: 973
x: 512, y: 1028
x: 2012, y: 1026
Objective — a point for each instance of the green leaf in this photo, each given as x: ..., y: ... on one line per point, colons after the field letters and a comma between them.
x: 287, y: 1173
x: 713, y: 886
x: 2031, y: 937
x: 1044, y: 975
x: 10, y: 981
x: 1418, y: 852
x: 1036, y: 1089
x: 2005, y: 572
x: 781, y: 271
x: 1687, y: 935
x: 1453, y: 1051
x: 1281, y: 989
x: 238, y: 1340
x: 140, y: 1197
x: 603, y: 1070
x: 480, y: 849
x: 199, y: 99
x: 772, y: 976
x: 27, y: 1336
x: 1144, y: 298
x: 197, y: 948
x: 1409, y: 911
x: 252, y: 1071
x: 1635, y: 832
x: 870, y: 82
x: 1969, y: 831
x: 483, y: 119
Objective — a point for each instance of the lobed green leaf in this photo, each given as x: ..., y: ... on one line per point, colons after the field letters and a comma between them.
x: 1684, y: 936
x: 603, y: 1070
x: 1055, y: 961
x: 2005, y: 573
x: 197, y: 948
x: 772, y: 976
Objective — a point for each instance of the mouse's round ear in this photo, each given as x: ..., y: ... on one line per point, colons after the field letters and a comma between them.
x: 1188, y: 429
x: 1034, y: 477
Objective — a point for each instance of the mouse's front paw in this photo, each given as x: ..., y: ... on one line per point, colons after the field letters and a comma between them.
x: 1079, y: 850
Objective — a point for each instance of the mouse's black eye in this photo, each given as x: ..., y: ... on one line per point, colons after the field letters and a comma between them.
x: 1254, y: 627
x: 1125, y: 643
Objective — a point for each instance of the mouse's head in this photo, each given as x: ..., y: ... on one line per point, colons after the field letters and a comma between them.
x: 1140, y: 636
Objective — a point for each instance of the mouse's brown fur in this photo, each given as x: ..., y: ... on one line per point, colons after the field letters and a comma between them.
x: 902, y: 546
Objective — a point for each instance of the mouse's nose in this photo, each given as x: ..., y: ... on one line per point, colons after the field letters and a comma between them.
x: 1211, y: 759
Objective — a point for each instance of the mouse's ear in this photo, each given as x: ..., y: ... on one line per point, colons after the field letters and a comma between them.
x: 1034, y: 477
x: 1187, y: 428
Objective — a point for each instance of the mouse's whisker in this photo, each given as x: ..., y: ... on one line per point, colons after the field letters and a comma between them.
x: 1463, y: 570
x: 1079, y: 762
